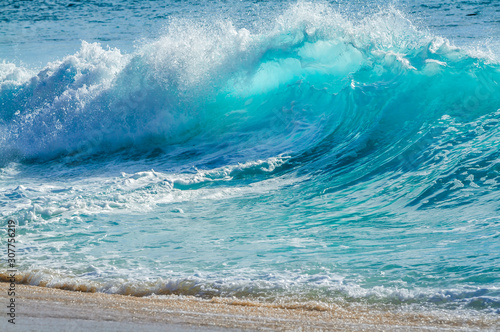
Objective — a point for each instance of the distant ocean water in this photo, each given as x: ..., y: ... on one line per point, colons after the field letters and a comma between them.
x: 341, y: 152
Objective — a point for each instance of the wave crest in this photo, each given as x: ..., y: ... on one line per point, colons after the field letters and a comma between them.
x: 204, y: 83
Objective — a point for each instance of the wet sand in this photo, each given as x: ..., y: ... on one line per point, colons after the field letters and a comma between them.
x: 48, y: 309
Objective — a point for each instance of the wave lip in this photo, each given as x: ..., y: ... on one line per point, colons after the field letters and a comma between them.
x: 212, y: 82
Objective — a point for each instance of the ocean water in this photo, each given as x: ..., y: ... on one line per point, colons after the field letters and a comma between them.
x: 342, y: 152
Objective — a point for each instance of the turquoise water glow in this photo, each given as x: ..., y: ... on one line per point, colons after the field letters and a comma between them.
x: 317, y: 156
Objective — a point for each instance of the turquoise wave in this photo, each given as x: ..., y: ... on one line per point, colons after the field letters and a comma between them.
x: 358, y: 159
x: 316, y: 84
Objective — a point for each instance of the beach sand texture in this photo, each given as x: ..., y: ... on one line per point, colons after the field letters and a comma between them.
x: 48, y: 309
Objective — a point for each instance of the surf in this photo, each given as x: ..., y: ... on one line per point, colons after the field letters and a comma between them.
x: 315, y: 77
x: 325, y: 145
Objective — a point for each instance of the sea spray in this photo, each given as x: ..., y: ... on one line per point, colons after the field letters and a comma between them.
x: 322, y: 158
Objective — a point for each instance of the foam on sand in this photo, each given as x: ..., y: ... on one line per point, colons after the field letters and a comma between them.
x: 53, y: 308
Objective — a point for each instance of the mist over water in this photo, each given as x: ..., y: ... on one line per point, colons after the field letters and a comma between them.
x: 329, y: 152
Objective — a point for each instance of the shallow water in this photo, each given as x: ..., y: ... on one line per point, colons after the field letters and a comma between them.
x: 342, y: 152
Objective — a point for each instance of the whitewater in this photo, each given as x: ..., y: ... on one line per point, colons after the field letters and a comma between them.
x: 291, y: 153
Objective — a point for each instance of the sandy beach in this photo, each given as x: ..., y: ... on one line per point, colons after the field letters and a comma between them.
x: 47, y: 309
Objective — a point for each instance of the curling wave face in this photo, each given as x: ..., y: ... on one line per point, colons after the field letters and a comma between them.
x: 323, y: 159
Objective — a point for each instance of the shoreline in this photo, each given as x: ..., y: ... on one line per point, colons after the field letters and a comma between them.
x: 49, y: 309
